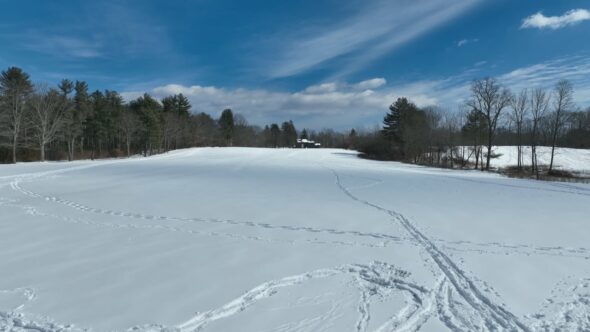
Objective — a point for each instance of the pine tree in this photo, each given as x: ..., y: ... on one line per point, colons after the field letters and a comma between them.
x: 392, y: 123
x: 177, y: 104
x: 77, y: 120
x: 15, y: 86
x: 226, y: 124
x: 275, y: 134
x: 148, y: 109
x: 288, y: 134
x: 304, y: 134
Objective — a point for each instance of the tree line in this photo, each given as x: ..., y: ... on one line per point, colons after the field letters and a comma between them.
x: 68, y: 121
x: 492, y: 115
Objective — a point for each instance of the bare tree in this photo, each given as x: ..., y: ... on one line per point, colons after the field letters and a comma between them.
x: 46, y: 116
x: 450, y: 125
x: 490, y: 98
x: 129, y: 125
x: 563, y: 102
x: 539, y: 102
x: 434, y: 116
x: 520, y: 107
x: 15, y: 86
x: 171, y: 126
x: 70, y: 127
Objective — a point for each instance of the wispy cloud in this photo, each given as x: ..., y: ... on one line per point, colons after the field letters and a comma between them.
x: 541, y: 21
x: 98, y: 30
x: 64, y: 46
x: 546, y: 74
x: 464, y: 42
x: 375, y: 31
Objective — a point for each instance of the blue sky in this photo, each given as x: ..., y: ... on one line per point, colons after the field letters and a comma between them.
x: 322, y: 63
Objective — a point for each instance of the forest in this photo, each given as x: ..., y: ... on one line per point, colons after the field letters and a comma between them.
x: 68, y: 122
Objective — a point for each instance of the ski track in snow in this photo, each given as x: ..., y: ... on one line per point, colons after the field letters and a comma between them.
x: 15, y: 184
x: 31, y: 210
x: 486, y: 315
x: 375, y: 279
x: 386, y: 239
x: 455, y: 299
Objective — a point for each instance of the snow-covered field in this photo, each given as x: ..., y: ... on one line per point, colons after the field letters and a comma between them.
x: 565, y: 158
x: 236, y: 239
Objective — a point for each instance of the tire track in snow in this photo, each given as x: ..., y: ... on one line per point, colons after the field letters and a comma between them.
x: 493, y: 316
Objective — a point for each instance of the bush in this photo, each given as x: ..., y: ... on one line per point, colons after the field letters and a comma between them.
x: 377, y: 147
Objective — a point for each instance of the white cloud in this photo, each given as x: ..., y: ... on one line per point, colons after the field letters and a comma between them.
x: 322, y: 88
x: 375, y: 31
x: 372, y: 83
x: 541, y: 21
x: 336, y: 105
x: 343, y: 105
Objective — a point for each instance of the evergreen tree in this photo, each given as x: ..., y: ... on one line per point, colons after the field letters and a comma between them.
x: 226, y: 125
x: 275, y: 134
x: 15, y: 87
x: 288, y: 134
x: 304, y: 134
x: 392, y: 123
x: 77, y: 120
x: 66, y: 87
x: 352, y: 138
x: 148, y: 110
x: 177, y: 104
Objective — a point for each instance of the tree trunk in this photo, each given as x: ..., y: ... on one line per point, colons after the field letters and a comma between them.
x: 14, y: 149
x: 554, y: 140
x: 476, y: 150
x: 72, y: 144
x: 481, y: 158
x: 552, y: 154
x: 489, y: 155
x: 42, y: 148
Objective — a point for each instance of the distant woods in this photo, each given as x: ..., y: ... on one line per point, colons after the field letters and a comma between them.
x: 68, y: 121
x: 492, y: 115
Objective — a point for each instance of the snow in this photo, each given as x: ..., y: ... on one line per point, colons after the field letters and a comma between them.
x: 238, y: 239
x: 565, y: 158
